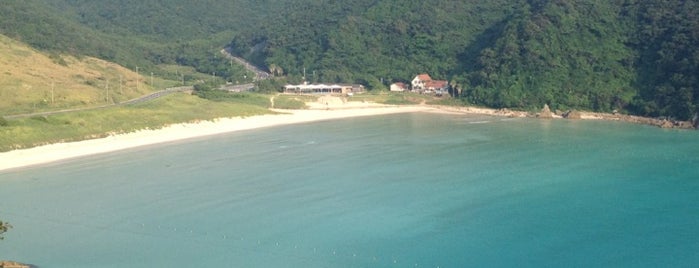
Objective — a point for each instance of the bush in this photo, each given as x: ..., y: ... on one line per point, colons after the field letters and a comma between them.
x: 202, y: 87
x: 40, y: 118
x: 4, y: 122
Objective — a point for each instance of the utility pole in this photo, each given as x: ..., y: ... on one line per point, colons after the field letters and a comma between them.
x: 52, y: 86
x: 151, y: 79
x: 137, y: 75
x: 121, y: 86
x: 107, y: 90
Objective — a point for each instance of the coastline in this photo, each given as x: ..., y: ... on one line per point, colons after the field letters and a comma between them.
x: 316, y: 112
x: 62, y: 151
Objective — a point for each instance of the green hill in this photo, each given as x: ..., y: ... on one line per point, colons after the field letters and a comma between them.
x: 640, y: 57
x: 633, y: 56
x: 32, y: 81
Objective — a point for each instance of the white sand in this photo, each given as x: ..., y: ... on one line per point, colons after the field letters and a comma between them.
x: 60, y: 151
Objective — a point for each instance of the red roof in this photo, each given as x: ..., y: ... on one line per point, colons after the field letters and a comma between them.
x: 435, y: 84
x: 424, y: 77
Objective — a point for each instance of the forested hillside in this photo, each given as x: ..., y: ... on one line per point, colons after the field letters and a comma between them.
x: 131, y: 33
x: 633, y: 56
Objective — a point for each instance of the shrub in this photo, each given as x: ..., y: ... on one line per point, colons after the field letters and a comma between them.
x: 40, y: 118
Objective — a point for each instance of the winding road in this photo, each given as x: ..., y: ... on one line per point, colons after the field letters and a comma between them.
x: 259, y: 73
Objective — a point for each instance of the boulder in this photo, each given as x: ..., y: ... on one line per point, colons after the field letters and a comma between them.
x: 666, y: 124
x: 545, y: 112
x: 685, y: 124
x: 572, y: 114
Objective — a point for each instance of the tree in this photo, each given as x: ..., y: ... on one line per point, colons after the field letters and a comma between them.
x: 4, y: 226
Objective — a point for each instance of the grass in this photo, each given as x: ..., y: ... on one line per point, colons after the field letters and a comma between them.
x: 235, y: 97
x: 285, y: 101
x: 172, y: 109
x: 33, y: 81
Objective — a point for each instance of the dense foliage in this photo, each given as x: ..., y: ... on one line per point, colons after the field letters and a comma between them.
x: 667, y: 41
x: 627, y: 55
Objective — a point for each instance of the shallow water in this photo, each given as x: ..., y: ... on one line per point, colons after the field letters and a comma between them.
x: 410, y: 190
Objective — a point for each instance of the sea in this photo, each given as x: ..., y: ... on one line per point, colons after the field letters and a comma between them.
x: 402, y: 190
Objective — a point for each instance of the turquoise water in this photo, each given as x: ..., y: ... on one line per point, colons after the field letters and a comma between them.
x: 410, y: 190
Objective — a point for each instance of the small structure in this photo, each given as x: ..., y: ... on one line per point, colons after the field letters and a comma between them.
x: 423, y: 83
x: 324, y: 89
x: 437, y: 86
x: 419, y: 82
x: 399, y: 87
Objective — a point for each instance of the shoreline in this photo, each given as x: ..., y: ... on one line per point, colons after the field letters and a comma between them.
x: 63, y: 151
x: 46, y: 154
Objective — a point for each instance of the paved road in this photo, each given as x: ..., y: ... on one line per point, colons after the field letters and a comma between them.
x: 259, y: 73
x: 141, y: 99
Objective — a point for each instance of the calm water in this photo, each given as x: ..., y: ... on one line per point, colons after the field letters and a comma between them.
x: 412, y: 190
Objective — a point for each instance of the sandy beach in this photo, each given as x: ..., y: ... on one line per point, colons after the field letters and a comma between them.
x: 61, y: 151
x: 326, y: 108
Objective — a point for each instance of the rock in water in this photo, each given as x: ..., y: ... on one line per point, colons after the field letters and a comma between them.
x: 546, y: 112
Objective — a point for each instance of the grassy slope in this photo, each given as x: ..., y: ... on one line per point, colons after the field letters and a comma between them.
x: 176, y: 108
x: 27, y: 78
x: 25, y: 87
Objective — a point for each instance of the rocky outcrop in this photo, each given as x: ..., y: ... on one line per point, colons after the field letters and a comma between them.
x: 658, y: 122
x: 572, y: 114
x: 545, y: 112
x: 509, y: 113
x: 11, y: 264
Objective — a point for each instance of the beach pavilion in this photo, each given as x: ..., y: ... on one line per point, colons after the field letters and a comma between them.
x: 323, y: 88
